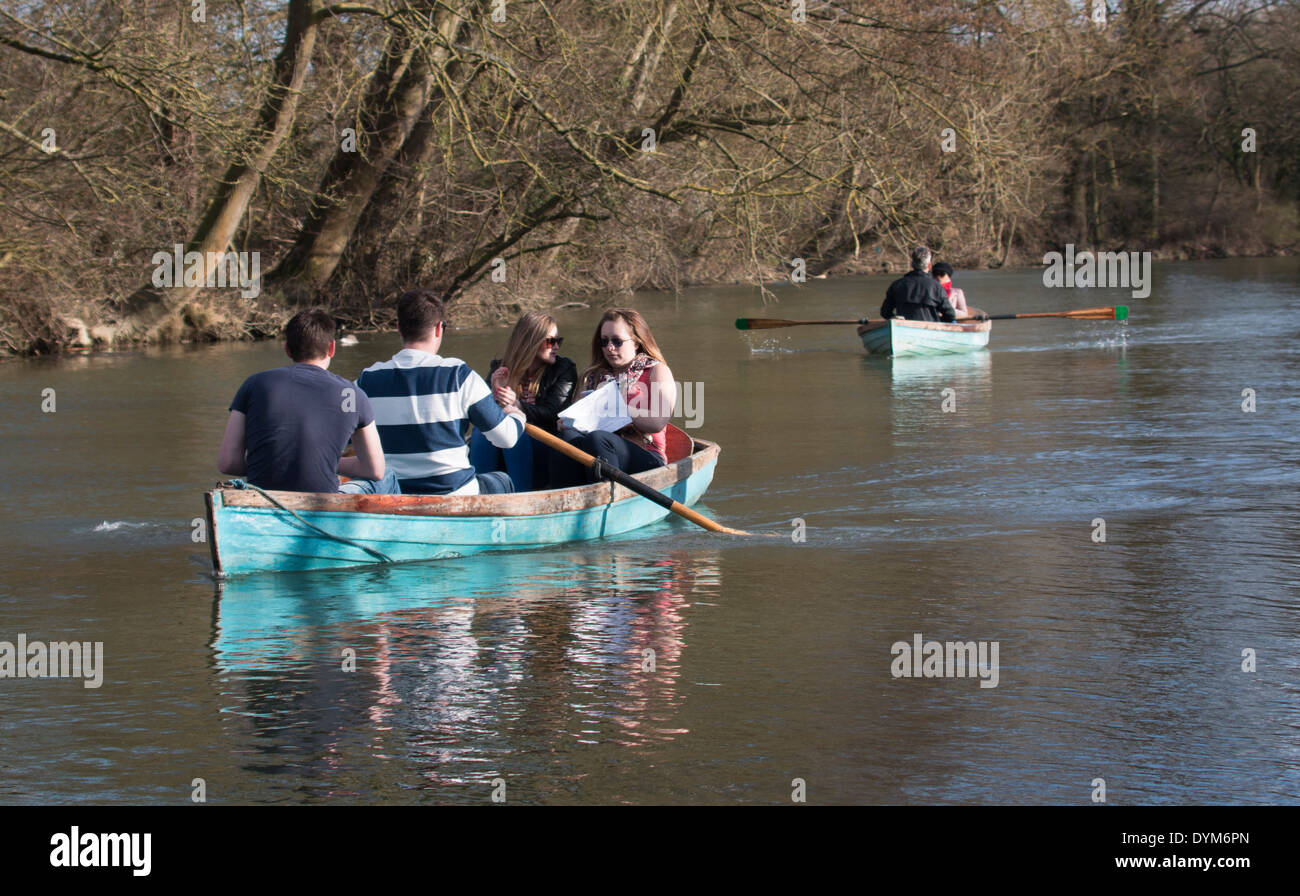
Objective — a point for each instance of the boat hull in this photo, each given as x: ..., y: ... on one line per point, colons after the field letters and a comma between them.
x: 249, y: 534
x: 904, y: 338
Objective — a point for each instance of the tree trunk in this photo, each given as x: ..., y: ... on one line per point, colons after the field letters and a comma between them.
x: 397, y: 99
x: 1098, y: 232
x: 1154, y: 234
x: 664, y: 25
x: 150, y: 308
x: 1079, y: 202
x: 1259, y: 190
x: 403, y: 174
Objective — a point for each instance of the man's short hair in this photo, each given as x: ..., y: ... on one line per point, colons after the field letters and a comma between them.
x: 308, y: 335
x: 921, y: 258
x: 418, y: 312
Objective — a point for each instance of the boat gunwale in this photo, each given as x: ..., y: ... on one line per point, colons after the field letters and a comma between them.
x: 517, y: 504
x: 977, y: 326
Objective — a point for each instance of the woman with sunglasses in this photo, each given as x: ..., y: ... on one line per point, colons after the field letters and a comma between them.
x: 624, y: 349
x: 532, y: 377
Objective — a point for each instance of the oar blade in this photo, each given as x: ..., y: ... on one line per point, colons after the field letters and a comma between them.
x: 1119, y: 312
x: 763, y: 323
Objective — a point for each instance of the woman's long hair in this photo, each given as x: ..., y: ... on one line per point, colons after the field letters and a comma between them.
x: 641, y: 335
x: 525, y: 342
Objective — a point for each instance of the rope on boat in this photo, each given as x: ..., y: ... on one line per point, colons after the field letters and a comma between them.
x: 378, y: 555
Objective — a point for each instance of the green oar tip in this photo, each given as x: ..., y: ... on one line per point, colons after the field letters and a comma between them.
x: 742, y: 323
x: 1121, y: 312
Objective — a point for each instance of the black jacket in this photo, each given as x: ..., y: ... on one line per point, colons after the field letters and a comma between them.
x: 553, y: 393
x: 917, y: 296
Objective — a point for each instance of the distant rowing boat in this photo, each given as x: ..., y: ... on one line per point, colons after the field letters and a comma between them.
x: 296, y: 531
x: 907, y: 338
x: 914, y: 337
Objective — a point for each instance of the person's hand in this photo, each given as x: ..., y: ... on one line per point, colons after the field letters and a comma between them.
x: 505, y: 396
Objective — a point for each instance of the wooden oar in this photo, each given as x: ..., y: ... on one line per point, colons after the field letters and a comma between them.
x: 769, y: 323
x: 616, y: 475
x: 1119, y: 312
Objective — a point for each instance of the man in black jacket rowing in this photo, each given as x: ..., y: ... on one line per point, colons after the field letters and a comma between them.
x: 916, y: 295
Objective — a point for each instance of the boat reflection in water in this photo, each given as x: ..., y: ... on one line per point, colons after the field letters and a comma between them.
x: 464, y: 669
x: 970, y: 368
x: 943, y: 393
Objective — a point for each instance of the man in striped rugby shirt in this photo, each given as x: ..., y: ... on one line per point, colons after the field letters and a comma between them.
x: 424, y: 403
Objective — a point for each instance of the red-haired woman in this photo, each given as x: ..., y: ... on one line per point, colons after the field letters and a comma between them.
x: 624, y: 350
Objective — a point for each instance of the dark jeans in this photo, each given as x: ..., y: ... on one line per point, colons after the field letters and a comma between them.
x: 488, y: 484
x: 485, y: 457
x: 610, y: 447
x: 494, y: 484
x: 386, y: 486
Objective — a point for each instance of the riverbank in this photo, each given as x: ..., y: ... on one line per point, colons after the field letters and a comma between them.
x: 52, y: 328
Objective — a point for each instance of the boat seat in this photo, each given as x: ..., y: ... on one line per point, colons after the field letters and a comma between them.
x: 679, y: 444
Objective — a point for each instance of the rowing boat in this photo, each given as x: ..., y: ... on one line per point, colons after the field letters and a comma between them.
x: 905, y: 338
x: 254, y: 531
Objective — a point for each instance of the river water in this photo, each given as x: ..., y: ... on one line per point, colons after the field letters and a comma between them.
x: 944, y: 500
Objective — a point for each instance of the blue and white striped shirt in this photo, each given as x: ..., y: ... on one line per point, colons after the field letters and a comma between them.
x: 423, y: 406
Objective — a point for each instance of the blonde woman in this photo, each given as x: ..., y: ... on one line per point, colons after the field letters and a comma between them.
x: 533, y: 378
x: 624, y: 349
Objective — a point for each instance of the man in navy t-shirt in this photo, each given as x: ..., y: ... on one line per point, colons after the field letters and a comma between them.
x: 288, y: 427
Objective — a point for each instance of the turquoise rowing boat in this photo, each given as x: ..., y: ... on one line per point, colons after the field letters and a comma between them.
x: 907, y: 338
x: 252, y: 531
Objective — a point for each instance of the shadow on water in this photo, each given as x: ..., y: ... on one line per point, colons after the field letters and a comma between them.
x: 458, y: 668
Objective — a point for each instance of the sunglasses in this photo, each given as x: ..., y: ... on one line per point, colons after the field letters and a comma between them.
x: 614, y: 341
x: 554, y: 341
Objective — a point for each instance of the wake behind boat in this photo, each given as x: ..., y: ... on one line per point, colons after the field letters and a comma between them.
x: 252, y: 531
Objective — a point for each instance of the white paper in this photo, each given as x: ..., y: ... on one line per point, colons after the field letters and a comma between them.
x: 604, y: 410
